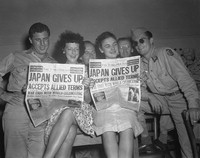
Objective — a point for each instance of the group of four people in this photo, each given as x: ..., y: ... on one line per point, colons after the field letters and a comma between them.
x: 166, y: 83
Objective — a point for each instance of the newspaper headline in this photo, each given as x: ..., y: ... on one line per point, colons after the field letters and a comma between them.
x: 116, y: 82
x: 52, y: 86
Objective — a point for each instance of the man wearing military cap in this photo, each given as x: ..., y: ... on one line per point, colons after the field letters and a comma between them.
x: 167, y: 77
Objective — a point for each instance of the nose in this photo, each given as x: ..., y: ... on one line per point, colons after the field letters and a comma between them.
x: 42, y: 42
x: 74, y: 51
x: 113, y: 48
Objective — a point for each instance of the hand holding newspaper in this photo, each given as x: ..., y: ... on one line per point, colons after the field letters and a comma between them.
x: 116, y: 81
x: 53, y: 86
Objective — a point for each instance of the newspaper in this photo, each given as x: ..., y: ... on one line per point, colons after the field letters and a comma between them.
x: 116, y: 82
x: 53, y: 86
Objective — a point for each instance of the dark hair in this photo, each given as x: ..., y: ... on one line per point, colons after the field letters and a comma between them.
x: 69, y: 37
x: 89, y: 42
x: 125, y: 39
x: 38, y: 27
x: 98, y: 43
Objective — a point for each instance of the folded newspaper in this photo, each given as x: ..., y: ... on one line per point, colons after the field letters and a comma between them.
x: 53, y: 86
x: 116, y: 82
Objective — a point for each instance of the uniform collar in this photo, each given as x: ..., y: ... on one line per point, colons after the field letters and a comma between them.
x: 34, y: 54
x: 153, y: 55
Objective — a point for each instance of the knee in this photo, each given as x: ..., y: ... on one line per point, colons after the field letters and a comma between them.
x: 67, y: 116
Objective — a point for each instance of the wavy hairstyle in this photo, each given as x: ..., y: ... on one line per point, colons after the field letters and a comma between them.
x: 68, y: 37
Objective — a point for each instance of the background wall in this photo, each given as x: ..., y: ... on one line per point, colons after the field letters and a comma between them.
x: 174, y: 23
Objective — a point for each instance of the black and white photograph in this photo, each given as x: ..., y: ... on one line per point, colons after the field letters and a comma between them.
x: 133, y: 79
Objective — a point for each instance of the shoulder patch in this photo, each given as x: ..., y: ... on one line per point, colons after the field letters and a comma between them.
x: 154, y: 58
x: 169, y: 52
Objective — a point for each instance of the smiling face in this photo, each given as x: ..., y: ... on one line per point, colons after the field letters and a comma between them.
x: 89, y: 53
x: 143, y: 44
x: 40, y: 43
x: 125, y: 48
x: 72, y: 52
x: 109, y: 47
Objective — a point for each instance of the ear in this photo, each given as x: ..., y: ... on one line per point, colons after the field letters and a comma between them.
x: 101, y: 50
x: 30, y: 40
x: 63, y: 51
x: 131, y: 49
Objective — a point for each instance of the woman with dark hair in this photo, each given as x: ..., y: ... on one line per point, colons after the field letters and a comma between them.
x: 115, y: 120
x: 62, y: 126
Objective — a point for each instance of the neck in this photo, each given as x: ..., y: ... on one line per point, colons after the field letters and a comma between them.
x: 41, y: 56
x: 149, y: 54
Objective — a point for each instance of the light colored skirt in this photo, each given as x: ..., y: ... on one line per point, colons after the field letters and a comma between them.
x: 117, y: 119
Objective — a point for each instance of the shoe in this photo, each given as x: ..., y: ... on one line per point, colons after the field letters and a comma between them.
x: 150, y: 148
x: 160, y: 145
